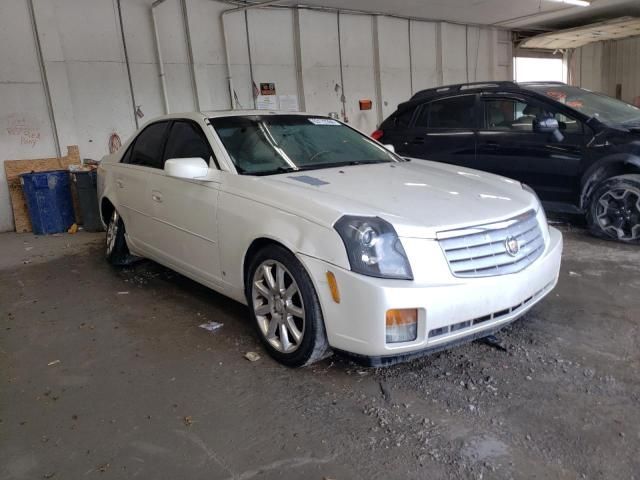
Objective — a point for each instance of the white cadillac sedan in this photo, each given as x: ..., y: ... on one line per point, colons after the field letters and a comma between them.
x: 332, y: 240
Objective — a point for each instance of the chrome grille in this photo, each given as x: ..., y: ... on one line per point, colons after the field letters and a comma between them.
x: 483, y: 251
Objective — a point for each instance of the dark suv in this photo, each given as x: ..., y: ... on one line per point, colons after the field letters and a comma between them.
x: 580, y: 151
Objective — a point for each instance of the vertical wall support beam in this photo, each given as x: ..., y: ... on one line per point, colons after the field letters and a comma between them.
x: 343, y: 97
x: 251, y: 78
x: 163, y: 80
x: 410, y: 57
x: 376, y: 67
x: 466, y: 50
x: 297, y: 46
x: 45, y: 81
x: 187, y: 32
x: 492, y: 54
x: 439, y: 67
x: 128, y: 65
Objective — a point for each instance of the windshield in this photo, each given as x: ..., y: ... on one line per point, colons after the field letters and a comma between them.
x: 606, y: 109
x: 269, y: 144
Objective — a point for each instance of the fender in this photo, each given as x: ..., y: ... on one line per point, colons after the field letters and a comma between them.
x: 242, y: 221
x: 610, y: 166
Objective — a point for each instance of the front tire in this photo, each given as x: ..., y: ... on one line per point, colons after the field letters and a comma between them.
x: 614, y: 209
x: 116, y: 250
x: 284, y: 308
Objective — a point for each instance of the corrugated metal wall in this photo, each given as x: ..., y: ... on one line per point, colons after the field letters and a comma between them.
x: 602, y: 66
x: 323, y: 58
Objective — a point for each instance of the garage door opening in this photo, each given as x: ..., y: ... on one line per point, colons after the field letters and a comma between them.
x: 528, y: 69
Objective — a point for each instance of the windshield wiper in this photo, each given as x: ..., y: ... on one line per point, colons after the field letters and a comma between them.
x: 273, y: 171
x: 318, y: 166
x: 314, y: 166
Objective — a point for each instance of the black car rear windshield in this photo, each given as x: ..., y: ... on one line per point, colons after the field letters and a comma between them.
x: 270, y: 144
x: 606, y: 109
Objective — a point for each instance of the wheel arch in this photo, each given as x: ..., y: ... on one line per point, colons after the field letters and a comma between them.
x: 612, y: 166
x: 256, y: 245
x: 106, y: 209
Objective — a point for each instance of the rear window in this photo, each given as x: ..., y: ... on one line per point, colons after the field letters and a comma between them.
x: 148, y: 146
x: 448, y: 113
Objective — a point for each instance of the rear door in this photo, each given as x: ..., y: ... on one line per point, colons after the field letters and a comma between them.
x: 184, y: 211
x: 444, y: 130
x: 142, y: 158
x: 509, y: 145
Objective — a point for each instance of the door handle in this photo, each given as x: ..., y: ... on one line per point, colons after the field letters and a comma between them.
x: 120, y: 183
x: 491, y: 145
x: 157, y: 197
x: 418, y: 140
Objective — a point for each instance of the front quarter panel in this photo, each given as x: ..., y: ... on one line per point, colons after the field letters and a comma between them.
x: 243, y: 219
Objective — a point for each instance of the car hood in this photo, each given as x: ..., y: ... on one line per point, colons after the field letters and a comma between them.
x: 418, y: 197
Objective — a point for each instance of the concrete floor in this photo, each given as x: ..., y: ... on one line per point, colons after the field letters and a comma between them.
x: 106, y: 373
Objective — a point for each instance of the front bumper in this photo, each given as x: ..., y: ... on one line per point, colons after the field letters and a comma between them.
x: 451, y: 310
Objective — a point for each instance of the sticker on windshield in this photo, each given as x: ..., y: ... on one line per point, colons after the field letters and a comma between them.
x: 323, y: 121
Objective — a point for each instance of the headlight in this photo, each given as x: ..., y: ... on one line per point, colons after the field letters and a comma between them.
x: 527, y: 188
x: 373, y: 247
x: 542, y: 216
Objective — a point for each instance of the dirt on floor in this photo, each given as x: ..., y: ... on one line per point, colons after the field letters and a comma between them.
x: 106, y: 373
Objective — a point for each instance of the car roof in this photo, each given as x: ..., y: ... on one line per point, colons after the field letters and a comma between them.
x: 486, y: 85
x: 473, y: 87
x: 225, y: 113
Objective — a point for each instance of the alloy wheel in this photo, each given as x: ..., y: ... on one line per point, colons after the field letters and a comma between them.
x: 112, y: 232
x: 618, y: 213
x: 278, y: 306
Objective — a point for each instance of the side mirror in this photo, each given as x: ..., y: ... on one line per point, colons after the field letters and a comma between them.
x: 187, y: 168
x: 549, y: 125
x: 546, y: 125
x: 391, y: 148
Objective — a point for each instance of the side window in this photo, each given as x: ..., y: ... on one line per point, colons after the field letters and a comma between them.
x: 147, y: 149
x: 568, y: 124
x: 126, y: 158
x: 403, y: 119
x: 187, y: 140
x: 510, y: 114
x: 449, y: 113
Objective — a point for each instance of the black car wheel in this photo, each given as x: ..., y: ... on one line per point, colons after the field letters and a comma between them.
x: 614, y: 210
x: 284, y: 307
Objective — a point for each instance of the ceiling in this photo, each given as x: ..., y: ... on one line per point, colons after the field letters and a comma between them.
x: 513, y: 14
x: 579, y: 36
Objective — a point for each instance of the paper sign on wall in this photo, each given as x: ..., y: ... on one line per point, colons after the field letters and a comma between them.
x: 267, y: 102
x: 267, y: 89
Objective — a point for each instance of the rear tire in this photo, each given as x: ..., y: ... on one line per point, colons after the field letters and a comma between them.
x: 284, y: 308
x: 614, y: 209
x: 116, y: 250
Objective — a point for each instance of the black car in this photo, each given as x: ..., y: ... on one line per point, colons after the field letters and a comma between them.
x: 579, y: 150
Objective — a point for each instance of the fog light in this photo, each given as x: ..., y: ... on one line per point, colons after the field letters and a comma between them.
x: 402, y: 325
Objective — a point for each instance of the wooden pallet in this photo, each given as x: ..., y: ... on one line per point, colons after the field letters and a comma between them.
x: 13, y: 170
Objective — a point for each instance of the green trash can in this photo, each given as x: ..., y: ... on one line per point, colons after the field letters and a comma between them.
x: 86, y: 186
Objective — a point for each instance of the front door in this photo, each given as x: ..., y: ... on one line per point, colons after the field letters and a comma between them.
x: 509, y: 145
x: 184, y: 211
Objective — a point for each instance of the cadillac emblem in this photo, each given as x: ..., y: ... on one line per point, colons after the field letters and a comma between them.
x: 512, y: 246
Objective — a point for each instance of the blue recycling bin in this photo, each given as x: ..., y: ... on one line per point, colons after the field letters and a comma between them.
x: 49, y: 201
